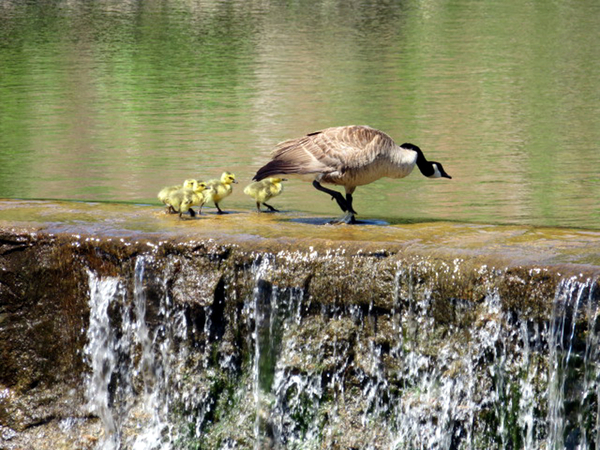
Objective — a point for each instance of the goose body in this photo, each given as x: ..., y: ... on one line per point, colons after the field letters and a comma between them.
x: 182, y: 200
x: 263, y: 191
x: 164, y: 193
x: 221, y: 188
x: 347, y: 156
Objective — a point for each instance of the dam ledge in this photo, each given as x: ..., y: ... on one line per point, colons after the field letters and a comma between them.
x: 565, y: 250
x: 122, y: 327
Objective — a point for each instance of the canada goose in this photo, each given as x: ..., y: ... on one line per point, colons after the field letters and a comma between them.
x: 220, y: 189
x: 164, y: 193
x: 348, y: 156
x: 182, y: 200
x: 204, y: 194
x: 264, y: 190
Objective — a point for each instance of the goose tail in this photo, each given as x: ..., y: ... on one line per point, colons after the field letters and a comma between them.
x: 274, y: 168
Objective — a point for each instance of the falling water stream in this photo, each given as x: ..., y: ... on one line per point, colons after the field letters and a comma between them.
x: 516, y: 383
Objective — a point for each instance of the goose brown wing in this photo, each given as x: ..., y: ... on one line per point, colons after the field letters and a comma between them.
x: 354, y: 146
x: 330, y: 150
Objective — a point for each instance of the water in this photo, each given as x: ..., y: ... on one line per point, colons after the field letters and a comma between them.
x: 326, y: 373
x: 130, y: 387
x: 112, y: 100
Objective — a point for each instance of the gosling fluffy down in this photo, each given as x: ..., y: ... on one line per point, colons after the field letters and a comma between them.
x: 182, y: 200
x: 220, y: 189
x: 264, y: 190
x: 165, y: 192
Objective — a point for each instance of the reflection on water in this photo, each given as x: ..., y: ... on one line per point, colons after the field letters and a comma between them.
x: 111, y: 100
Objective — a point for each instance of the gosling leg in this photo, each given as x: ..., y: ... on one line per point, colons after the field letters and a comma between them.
x: 219, y: 210
x: 271, y: 208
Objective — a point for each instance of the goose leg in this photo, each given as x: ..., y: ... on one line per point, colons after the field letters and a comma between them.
x: 220, y: 211
x: 192, y: 213
x: 339, y: 198
x: 258, y: 207
x: 349, y: 202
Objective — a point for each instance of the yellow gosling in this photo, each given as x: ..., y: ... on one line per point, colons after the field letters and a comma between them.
x: 183, y: 200
x: 165, y: 192
x: 220, y: 189
x: 205, y: 193
x: 264, y: 190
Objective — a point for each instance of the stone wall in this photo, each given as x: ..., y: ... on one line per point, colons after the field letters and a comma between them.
x: 293, y: 344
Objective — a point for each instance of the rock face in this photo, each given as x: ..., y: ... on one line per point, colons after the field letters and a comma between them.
x: 152, y: 342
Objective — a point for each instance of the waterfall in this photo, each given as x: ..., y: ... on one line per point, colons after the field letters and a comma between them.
x: 101, y: 352
x: 575, y: 305
x: 129, y: 387
x: 266, y: 364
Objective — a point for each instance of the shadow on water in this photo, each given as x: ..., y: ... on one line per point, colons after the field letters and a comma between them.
x: 328, y: 221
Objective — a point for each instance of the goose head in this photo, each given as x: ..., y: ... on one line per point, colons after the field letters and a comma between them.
x: 438, y: 171
x: 430, y: 169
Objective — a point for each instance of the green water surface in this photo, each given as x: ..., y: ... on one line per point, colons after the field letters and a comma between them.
x: 111, y: 100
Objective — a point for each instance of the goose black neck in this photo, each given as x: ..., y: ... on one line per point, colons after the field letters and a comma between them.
x: 424, y: 166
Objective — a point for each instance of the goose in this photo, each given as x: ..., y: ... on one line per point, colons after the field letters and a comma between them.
x: 347, y: 156
x: 182, y: 200
x: 264, y: 190
x: 221, y: 188
x: 204, y: 192
x: 164, y: 193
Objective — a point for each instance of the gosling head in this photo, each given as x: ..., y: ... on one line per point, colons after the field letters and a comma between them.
x: 190, y: 184
x: 202, y: 187
x: 228, y: 178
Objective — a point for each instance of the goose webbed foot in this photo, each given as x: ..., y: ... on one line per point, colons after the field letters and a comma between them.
x: 347, y: 218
